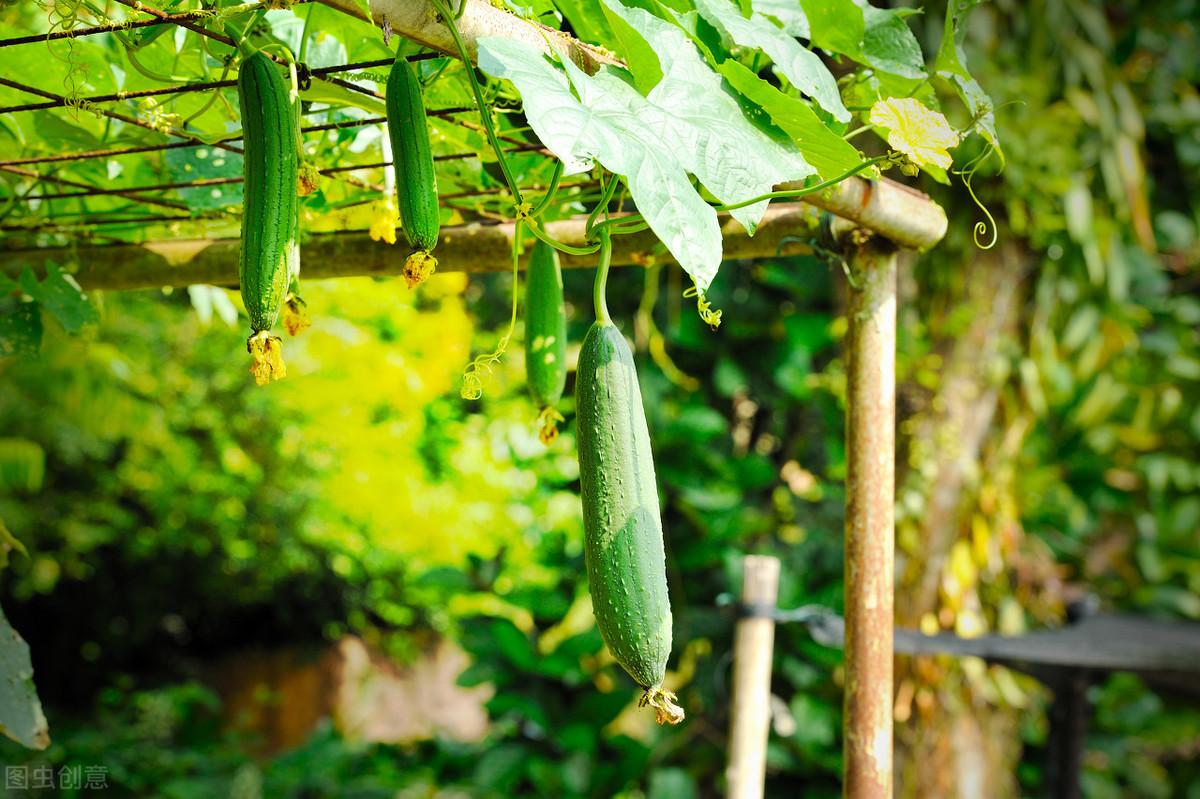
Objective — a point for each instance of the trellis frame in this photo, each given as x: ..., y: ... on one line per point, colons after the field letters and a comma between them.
x: 880, y: 217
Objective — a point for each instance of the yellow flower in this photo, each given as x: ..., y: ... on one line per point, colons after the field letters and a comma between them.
x: 266, y: 352
x: 383, y: 221
x: 923, y: 135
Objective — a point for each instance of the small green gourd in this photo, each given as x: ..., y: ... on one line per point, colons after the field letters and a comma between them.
x: 416, y: 185
x: 545, y: 337
x: 270, y: 216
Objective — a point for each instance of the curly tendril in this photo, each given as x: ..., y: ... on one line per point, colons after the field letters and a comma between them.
x: 967, y: 173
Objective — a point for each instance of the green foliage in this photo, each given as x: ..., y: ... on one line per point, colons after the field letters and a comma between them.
x: 183, y: 514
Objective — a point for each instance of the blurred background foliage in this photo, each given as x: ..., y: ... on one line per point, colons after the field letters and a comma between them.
x: 1049, y: 431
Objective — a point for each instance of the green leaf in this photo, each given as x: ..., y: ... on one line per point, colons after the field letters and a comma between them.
x: 836, y: 25
x: 605, y: 123
x: 889, y: 44
x: 829, y: 153
x: 799, y: 65
x: 588, y: 21
x: 951, y: 64
x: 712, y: 137
x: 61, y: 296
x: 206, y: 163
x: 788, y: 13
x: 643, y: 62
x: 21, y: 716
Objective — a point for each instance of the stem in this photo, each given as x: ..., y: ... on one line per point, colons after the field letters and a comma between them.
x: 484, y: 116
x: 544, y: 203
x: 622, y: 224
x: 536, y: 230
x: 602, y: 204
x: 601, y: 284
x: 772, y: 195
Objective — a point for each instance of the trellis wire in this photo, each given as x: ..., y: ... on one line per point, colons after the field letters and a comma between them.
x: 131, y: 193
x: 215, y: 216
x: 204, y: 182
x: 188, y: 20
x: 149, y: 148
x: 114, y: 115
x: 116, y: 26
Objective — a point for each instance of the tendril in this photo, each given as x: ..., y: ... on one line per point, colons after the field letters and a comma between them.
x: 967, y: 173
x: 484, y: 365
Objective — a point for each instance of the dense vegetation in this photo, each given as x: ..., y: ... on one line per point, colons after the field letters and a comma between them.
x: 1050, y: 383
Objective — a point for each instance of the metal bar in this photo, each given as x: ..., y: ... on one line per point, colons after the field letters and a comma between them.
x: 1068, y: 733
x: 476, y: 248
x: 753, y: 645
x: 870, y: 518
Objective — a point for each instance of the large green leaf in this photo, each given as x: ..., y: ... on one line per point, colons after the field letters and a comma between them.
x: 711, y: 136
x: 604, y: 123
x: 655, y: 141
x: 799, y: 65
x: 829, y: 153
x: 21, y: 716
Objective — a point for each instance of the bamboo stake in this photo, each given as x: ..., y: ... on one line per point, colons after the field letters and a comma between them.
x: 870, y: 519
x: 754, y: 640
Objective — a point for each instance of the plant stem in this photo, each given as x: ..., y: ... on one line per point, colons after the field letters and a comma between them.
x: 773, y: 195
x: 544, y: 203
x: 536, y: 230
x: 484, y: 116
x: 602, y: 204
x: 600, y: 286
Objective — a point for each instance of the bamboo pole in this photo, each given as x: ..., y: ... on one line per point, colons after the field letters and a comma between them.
x: 754, y: 640
x: 870, y: 518
x: 479, y: 248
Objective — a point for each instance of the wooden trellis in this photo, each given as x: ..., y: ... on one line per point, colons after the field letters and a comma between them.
x: 880, y: 218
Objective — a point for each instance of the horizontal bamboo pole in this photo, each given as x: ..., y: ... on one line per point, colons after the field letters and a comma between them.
x: 475, y: 247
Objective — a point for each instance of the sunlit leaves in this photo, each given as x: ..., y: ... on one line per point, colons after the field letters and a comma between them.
x: 799, y: 65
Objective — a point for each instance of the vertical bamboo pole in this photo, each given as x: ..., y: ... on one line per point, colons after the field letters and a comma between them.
x: 870, y: 495
x: 754, y: 640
